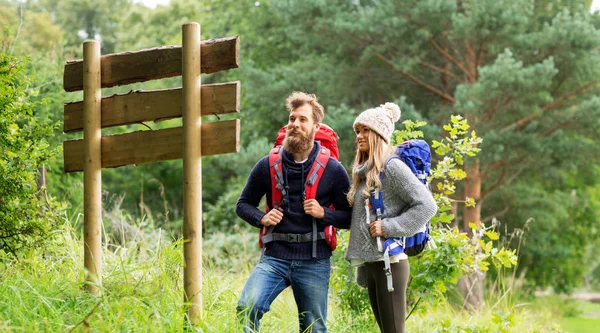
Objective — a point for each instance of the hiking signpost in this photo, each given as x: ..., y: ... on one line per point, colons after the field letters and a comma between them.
x: 190, y: 141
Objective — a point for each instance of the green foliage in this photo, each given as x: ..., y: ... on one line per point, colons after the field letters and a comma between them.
x: 27, y: 214
x: 221, y: 215
x: 530, y: 94
x: 43, y: 293
x: 557, y: 241
x: 352, y: 299
x: 455, y: 253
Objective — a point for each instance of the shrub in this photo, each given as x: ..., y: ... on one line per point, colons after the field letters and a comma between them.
x: 26, y: 212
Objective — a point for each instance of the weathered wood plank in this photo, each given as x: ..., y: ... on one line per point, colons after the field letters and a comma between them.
x: 156, y: 63
x: 152, y: 146
x: 138, y: 106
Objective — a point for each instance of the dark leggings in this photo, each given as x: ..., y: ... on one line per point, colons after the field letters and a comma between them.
x: 389, y: 308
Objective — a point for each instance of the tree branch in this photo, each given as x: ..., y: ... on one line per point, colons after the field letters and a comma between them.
x: 491, y: 168
x: 495, y: 185
x: 480, y: 54
x: 441, y: 70
x: 417, y: 80
x: 10, y: 249
x: 471, y: 62
x: 12, y: 49
x: 496, y: 214
x: 560, y: 83
x: 449, y: 57
x: 561, y: 125
x: 515, y: 161
x: 490, y: 114
x: 550, y: 106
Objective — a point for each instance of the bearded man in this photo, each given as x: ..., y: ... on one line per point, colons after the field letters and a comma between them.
x: 294, y: 262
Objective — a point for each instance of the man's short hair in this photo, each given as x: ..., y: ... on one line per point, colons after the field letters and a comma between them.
x: 299, y: 98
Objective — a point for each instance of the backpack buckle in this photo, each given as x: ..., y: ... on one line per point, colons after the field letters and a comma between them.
x: 388, y: 271
x: 292, y: 238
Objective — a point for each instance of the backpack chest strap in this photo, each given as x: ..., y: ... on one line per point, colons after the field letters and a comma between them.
x: 291, y: 238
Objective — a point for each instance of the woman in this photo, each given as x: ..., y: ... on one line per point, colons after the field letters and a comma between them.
x: 408, y: 206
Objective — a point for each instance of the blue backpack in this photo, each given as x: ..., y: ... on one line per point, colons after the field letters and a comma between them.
x: 417, y: 156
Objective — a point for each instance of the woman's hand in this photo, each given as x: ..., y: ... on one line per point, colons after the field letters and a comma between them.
x: 375, y: 229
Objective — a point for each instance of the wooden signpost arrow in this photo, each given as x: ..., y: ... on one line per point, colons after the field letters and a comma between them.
x: 190, y: 142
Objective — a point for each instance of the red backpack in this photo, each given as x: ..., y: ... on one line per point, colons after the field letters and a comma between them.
x: 325, y: 135
x: 328, y: 140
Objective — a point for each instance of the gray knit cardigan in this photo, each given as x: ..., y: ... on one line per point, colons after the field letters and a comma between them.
x: 408, y: 206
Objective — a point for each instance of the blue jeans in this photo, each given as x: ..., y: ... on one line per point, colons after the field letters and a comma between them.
x: 309, y: 280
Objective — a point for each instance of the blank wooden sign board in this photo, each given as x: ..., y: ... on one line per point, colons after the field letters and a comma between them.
x: 190, y: 141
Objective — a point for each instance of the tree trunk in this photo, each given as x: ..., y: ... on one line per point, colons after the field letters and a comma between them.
x: 471, y: 286
x: 40, y: 181
x: 454, y: 223
x: 41, y: 178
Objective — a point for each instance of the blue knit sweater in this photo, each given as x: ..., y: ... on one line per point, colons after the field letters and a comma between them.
x: 332, y: 190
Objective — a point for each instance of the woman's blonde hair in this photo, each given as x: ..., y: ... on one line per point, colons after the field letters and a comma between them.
x: 378, y: 153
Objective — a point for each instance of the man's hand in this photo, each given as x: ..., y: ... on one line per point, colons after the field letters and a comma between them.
x: 375, y: 229
x: 273, y: 217
x: 312, y: 207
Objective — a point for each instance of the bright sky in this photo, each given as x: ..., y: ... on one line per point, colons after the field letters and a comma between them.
x: 154, y: 3
x: 595, y: 5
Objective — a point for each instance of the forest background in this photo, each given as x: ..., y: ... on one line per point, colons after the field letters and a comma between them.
x: 522, y: 73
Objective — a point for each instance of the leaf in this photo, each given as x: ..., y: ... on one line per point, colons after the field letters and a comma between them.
x: 457, y: 174
x: 442, y: 150
x: 458, y: 159
x: 446, y: 218
x: 492, y: 235
x: 470, y: 202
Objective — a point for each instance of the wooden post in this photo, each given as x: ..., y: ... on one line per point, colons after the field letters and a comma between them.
x: 192, y: 172
x: 92, y: 175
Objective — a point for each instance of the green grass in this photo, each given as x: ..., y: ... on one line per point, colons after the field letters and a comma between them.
x: 580, y: 325
x: 142, y: 292
x: 585, y: 318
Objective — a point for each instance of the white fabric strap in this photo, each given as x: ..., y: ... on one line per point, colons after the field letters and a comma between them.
x: 367, y: 210
x: 388, y: 270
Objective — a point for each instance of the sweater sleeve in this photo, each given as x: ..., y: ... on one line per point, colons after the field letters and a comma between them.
x: 255, y: 188
x: 340, y: 216
x: 406, y: 190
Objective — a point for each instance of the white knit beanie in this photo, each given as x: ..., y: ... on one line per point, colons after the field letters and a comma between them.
x: 380, y: 119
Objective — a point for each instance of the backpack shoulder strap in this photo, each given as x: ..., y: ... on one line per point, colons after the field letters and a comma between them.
x: 377, y: 196
x: 394, y: 156
x: 277, y: 187
x: 312, y: 183
x: 315, y: 173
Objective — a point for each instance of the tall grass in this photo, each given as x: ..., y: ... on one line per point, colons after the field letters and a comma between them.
x: 142, y: 292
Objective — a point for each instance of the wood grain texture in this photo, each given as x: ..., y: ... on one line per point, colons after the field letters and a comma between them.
x: 139, y: 106
x: 155, y: 63
x: 152, y: 146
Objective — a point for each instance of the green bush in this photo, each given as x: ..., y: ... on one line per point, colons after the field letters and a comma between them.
x: 26, y: 213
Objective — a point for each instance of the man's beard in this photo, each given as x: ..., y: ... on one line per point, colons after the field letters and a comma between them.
x: 298, y: 144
